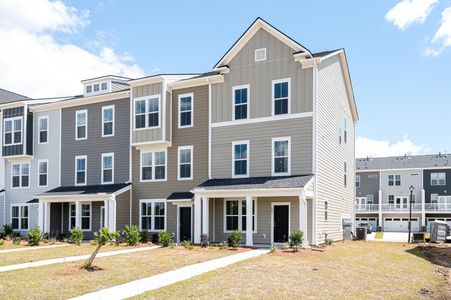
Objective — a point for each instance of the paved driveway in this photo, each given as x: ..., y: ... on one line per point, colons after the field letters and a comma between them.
x: 400, y: 237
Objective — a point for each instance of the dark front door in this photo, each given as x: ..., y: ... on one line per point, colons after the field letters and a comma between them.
x: 280, y: 226
x: 185, y: 224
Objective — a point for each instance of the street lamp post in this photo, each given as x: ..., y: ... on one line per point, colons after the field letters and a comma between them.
x: 411, y: 188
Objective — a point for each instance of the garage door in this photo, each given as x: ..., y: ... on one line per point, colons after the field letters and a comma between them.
x: 401, y: 224
x: 429, y: 220
x: 372, y: 221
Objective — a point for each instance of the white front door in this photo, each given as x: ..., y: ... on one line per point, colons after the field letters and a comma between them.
x: 361, y: 203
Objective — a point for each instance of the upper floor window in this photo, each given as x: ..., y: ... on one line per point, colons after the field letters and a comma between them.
x: 394, y: 180
x: 438, y: 178
x: 345, y: 170
x: 43, y: 172
x: 43, y: 129
x: 80, y: 170
x: 369, y: 199
x: 235, y: 215
x: 185, y: 156
x: 260, y: 54
x: 345, y: 130
x: 152, y: 215
x: 153, y: 166
x: 434, y: 198
x: 81, y: 124
x: 391, y: 199
x: 281, y: 96
x: 20, y: 175
x: 147, y: 112
x: 357, y: 181
x: 185, y: 110
x: 96, y: 87
x: 107, y: 168
x: 240, y: 102
x: 108, y: 120
x: 13, y: 131
x: 19, y: 217
x: 240, y: 159
x: 281, y: 156
x: 104, y: 86
x: 326, y: 210
x: 88, y: 89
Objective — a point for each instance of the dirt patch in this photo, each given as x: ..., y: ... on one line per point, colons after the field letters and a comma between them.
x: 439, y: 254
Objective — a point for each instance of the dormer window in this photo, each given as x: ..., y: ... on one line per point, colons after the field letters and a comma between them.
x: 104, y: 86
x: 96, y: 87
x: 260, y: 54
x: 88, y: 89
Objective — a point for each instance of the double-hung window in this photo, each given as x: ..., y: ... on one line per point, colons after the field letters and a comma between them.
x: 20, y: 174
x: 19, y: 217
x: 281, y: 96
x: 235, y: 215
x: 86, y: 213
x: 438, y: 178
x: 13, y: 131
x: 185, y: 110
x: 394, y: 180
x: 104, y: 86
x: 345, y: 176
x: 281, y: 156
x: 397, y: 180
x: 345, y: 130
x: 185, y: 157
x: 88, y: 89
x: 240, y: 159
x: 391, y: 199
x: 107, y: 168
x: 147, y: 112
x: 153, y: 215
x: 80, y: 169
x: 108, y: 120
x: 43, y: 129
x: 72, y: 216
x: 357, y: 181
x: 240, y: 102
x: 96, y: 87
x: 153, y: 166
x: 43, y: 173
x: 326, y: 210
x: 81, y: 124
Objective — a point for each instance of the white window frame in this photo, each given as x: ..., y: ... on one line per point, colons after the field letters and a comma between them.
x: 103, y: 168
x: 437, y: 179
x: 81, y: 216
x: 39, y: 172
x: 86, y: 89
x: 70, y: 216
x: 101, y: 86
x: 82, y: 111
x: 113, y: 121
x: 152, y: 215
x: 247, y: 143
x: 85, y: 157
x: 13, y: 130
x: 357, y: 179
x: 240, y: 215
x: 255, y: 54
x: 273, y: 100
x: 19, y: 218
x: 180, y: 112
x: 278, y: 139
x: 180, y: 148
x: 165, y: 150
x: 21, y: 175
x: 241, y: 87
x: 39, y: 129
x: 146, y: 119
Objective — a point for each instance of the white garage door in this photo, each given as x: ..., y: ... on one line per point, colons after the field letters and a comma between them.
x: 429, y: 220
x: 372, y: 221
x: 401, y: 224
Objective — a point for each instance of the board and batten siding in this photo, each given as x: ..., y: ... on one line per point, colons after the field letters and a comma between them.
x: 369, y: 185
x: 260, y: 144
x: 197, y: 136
x: 332, y: 108
x: 279, y: 64
x: 95, y: 144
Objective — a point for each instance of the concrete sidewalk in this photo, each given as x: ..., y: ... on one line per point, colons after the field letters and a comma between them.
x: 32, y: 248
x: 140, y: 286
x: 41, y: 263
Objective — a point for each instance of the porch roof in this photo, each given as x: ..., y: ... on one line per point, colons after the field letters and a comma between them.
x: 86, y: 189
x: 181, y: 196
x: 270, y: 182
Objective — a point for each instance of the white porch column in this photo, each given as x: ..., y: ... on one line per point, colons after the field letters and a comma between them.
x: 423, y: 207
x: 111, y: 214
x: 47, y: 217
x: 197, y: 218
x: 303, y: 218
x: 380, y: 209
x: 41, y: 216
x: 249, y: 231
x: 105, y: 213
x: 77, y: 214
x: 205, y: 223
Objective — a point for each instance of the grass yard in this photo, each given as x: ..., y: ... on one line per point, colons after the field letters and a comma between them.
x: 68, y: 280
x: 10, y: 245
x: 353, y: 270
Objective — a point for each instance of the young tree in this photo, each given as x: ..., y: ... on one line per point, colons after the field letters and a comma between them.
x: 296, y: 238
x: 102, y: 237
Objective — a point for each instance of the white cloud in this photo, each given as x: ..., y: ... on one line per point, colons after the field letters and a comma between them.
x: 32, y: 60
x: 378, y: 148
x: 407, y: 12
x: 442, y: 38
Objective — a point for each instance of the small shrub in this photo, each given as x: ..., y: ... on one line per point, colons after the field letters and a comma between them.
x: 223, y: 245
x: 17, y: 240
x: 132, y: 235
x: 328, y: 241
x: 235, y: 238
x: 94, y: 243
x: 171, y: 246
x: 2, y: 242
x: 204, y: 240
x: 8, y: 230
x: 144, y: 237
x: 76, y: 235
x: 296, y: 238
x: 164, y: 238
x: 273, y: 248
x: 34, y: 236
x: 187, y: 245
x: 52, y: 240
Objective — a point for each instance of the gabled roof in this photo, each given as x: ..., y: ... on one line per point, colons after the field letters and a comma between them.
x: 7, y: 96
x: 274, y: 182
x: 403, y: 162
x: 87, y: 189
x: 259, y: 23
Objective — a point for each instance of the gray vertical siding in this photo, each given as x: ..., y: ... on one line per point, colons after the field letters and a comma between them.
x: 369, y: 185
x: 123, y: 210
x: 441, y: 190
x: 95, y: 144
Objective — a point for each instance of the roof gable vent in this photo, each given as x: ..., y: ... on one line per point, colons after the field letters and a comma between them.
x: 260, y: 54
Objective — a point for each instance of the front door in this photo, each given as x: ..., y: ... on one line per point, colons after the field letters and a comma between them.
x: 281, y: 223
x: 185, y: 223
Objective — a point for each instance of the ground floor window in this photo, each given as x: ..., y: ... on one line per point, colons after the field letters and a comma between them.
x: 86, y: 217
x: 152, y: 215
x: 235, y: 215
x: 19, y: 217
x: 71, y: 216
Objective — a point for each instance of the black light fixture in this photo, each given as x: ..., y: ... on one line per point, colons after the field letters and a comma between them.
x: 411, y: 188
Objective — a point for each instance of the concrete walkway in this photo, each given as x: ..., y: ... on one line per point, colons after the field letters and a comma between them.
x: 32, y: 248
x: 398, y: 237
x: 41, y: 263
x: 140, y: 286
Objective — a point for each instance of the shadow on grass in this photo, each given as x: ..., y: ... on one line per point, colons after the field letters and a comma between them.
x: 437, y: 254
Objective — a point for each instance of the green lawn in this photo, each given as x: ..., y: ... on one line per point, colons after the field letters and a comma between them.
x: 354, y: 270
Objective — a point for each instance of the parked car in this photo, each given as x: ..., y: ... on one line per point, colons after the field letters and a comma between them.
x: 366, y: 225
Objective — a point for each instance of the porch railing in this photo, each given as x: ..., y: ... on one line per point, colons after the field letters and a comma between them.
x: 438, y: 206
x: 401, y: 207
x: 367, y: 207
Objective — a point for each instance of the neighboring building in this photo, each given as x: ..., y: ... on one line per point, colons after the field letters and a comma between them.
x: 264, y: 144
x: 383, y: 191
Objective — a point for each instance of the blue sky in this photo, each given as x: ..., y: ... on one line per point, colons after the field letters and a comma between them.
x: 400, y: 90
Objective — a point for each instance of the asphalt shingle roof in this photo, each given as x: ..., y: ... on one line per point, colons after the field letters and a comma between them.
x: 7, y: 96
x: 403, y: 162
x: 181, y: 196
x: 88, y: 189
x: 275, y: 182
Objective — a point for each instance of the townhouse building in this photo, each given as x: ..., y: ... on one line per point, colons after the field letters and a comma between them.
x: 383, y: 190
x: 263, y: 143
